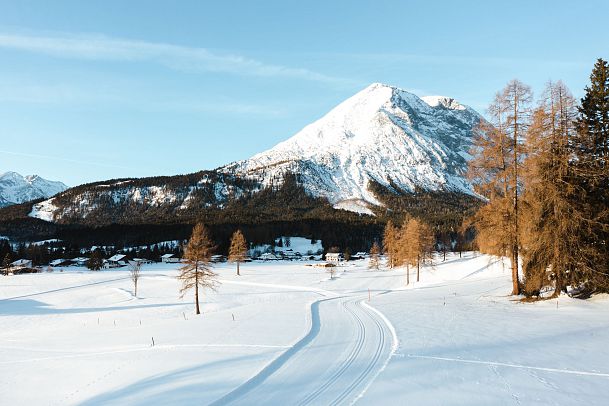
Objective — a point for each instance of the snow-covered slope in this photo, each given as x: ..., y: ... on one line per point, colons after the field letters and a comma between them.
x: 382, y: 133
x: 15, y: 188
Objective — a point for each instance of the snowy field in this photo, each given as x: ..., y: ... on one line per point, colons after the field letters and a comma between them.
x: 284, y: 333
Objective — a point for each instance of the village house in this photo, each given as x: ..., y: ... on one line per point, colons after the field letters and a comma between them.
x: 116, y: 261
x: 80, y: 261
x: 334, y: 257
x: 169, y: 258
x: 218, y: 258
x: 20, y: 266
x: 267, y: 256
x: 60, y: 262
x: 142, y: 261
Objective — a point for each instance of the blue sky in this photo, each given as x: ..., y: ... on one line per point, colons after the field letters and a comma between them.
x: 109, y: 89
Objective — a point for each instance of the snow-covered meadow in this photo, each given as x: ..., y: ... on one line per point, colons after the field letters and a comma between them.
x: 284, y: 333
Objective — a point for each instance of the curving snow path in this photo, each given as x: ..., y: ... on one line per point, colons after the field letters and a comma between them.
x: 347, y: 347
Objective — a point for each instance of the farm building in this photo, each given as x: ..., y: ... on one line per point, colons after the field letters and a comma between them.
x: 142, y: 261
x: 268, y: 257
x: 21, y: 263
x: 60, y: 262
x: 80, y: 261
x: 116, y: 261
x: 169, y: 258
x: 334, y: 257
x: 218, y: 258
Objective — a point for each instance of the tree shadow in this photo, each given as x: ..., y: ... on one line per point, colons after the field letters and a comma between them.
x: 178, y: 387
x: 65, y: 288
x: 31, y: 307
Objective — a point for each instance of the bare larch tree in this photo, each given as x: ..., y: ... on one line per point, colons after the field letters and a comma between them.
x: 196, y: 273
x: 238, y: 249
x: 134, y: 272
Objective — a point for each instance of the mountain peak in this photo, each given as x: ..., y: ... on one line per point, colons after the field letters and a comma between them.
x: 444, y: 101
x: 15, y: 188
x: 10, y: 175
x: 382, y: 134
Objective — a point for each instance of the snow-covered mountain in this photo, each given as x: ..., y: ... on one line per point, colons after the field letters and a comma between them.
x: 15, y: 188
x: 384, y: 134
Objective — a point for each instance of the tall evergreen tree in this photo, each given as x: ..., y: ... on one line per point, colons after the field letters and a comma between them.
x: 590, y: 175
x: 96, y: 260
x: 6, y: 263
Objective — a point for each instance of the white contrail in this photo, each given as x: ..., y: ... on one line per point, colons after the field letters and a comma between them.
x: 178, y: 57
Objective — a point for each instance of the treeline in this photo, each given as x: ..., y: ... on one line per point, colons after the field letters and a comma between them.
x: 43, y: 254
x: 264, y: 214
x: 544, y: 168
x: 443, y: 210
x: 412, y: 244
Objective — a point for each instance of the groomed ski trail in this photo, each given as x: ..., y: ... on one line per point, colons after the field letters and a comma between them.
x: 348, y: 345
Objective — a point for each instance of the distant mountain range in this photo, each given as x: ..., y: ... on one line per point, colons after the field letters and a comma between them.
x: 380, y: 153
x: 15, y: 188
x: 382, y: 135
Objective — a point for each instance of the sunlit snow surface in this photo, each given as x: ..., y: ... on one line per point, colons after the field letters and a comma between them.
x: 79, y: 337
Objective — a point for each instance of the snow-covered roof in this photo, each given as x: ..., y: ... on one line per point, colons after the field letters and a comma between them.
x: 141, y: 260
x: 21, y: 262
x: 117, y: 257
x: 80, y: 259
x: 167, y: 255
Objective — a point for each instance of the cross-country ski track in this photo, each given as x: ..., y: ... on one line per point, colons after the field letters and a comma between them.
x: 348, y: 344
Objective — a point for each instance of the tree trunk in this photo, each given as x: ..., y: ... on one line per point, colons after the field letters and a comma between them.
x: 515, y: 282
x: 135, y: 288
x: 238, y: 274
x: 418, y: 268
x: 407, y: 274
x: 197, y: 311
x: 558, y: 284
